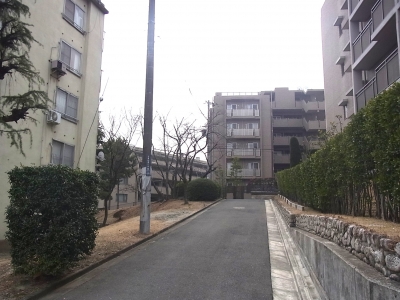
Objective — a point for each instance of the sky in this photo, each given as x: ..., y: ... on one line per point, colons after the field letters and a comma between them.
x: 208, y: 46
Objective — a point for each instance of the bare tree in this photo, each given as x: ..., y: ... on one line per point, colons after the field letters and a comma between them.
x: 120, y: 160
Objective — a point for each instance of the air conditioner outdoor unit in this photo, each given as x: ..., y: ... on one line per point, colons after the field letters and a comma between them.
x: 53, y: 117
x: 58, y: 68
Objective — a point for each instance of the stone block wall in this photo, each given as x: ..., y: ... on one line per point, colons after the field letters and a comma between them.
x: 374, y: 249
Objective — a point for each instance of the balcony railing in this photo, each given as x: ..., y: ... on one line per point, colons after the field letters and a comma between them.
x: 313, y: 105
x: 285, y: 140
x: 353, y: 4
x: 281, y: 159
x: 243, y: 152
x: 380, y: 11
x: 287, y: 123
x: 362, y: 41
x: 246, y: 173
x: 242, y: 113
x: 387, y: 73
x: 314, y: 124
x: 243, y: 132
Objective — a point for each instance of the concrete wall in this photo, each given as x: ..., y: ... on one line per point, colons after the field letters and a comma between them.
x: 342, y: 275
x: 348, y: 261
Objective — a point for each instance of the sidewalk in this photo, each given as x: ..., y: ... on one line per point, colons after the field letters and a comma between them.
x: 290, y: 278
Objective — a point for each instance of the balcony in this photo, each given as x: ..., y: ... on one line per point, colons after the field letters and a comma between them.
x: 314, y: 125
x: 243, y: 132
x: 247, y: 173
x: 313, y: 105
x: 243, y: 152
x: 285, y: 140
x: 360, y: 10
x: 281, y: 159
x: 287, y: 123
x: 362, y: 41
x: 242, y: 113
x: 380, y: 11
x: 387, y: 73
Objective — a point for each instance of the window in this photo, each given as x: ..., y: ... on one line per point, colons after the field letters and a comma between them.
x: 123, y: 180
x: 252, y: 145
x: 254, y: 165
x: 71, y: 57
x: 74, y: 14
x: 232, y: 106
x: 252, y: 126
x: 62, y: 154
x: 232, y: 126
x: 231, y: 145
x: 122, y: 198
x: 345, y: 112
x: 67, y: 104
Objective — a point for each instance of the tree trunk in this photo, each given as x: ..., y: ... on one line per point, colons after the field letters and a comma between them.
x: 105, y: 212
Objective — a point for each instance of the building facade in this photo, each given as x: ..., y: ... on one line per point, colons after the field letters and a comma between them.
x: 360, y: 41
x: 127, y: 193
x: 68, y: 58
x: 256, y: 129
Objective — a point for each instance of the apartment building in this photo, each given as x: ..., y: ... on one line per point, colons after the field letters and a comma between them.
x: 256, y: 128
x: 360, y: 41
x: 127, y: 192
x: 70, y: 33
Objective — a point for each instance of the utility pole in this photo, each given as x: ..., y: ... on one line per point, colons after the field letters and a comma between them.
x: 148, y: 125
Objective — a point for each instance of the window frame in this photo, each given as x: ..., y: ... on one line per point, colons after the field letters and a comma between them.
x: 125, y: 198
x: 73, y: 22
x: 63, y: 113
x: 68, y: 64
x: 62, y: 154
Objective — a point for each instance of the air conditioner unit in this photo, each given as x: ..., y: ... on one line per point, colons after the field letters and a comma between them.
x: 53, y: 117
x: 58, y: 68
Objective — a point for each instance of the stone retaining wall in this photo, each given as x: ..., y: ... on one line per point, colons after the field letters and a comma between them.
x: 374, y: 249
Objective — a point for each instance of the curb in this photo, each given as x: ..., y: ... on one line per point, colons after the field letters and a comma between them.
x: 73, y: 276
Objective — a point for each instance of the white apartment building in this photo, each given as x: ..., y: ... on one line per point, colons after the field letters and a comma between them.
x: 360, y: 42
x: 70, y: 33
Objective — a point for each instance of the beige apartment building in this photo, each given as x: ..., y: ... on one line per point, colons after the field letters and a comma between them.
x: 127, y: 193
x: 360, y: 41
x: 256, y: 128
x: 68, y: 58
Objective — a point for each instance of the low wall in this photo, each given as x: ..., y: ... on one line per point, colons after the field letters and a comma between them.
x: 355, y: 249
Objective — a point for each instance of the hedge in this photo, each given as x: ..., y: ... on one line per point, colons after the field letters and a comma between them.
x: 51, y: 218
x: 357, y: 172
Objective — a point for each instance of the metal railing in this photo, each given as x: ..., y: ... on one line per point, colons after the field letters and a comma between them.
x: 243, y: 152
x: 247, y: 173
x: 380, y: 11
x: 363, y: 40
x: 243, y: 132
x: 353, y: 4
x: 242, y: 112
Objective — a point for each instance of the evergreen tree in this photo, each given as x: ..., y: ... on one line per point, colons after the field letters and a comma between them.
x: 15, y: 43
x: 295, y: 152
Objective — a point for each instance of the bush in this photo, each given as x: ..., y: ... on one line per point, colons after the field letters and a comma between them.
x: 51, y: 218
x: 180, y: 189
x: 202, y: 190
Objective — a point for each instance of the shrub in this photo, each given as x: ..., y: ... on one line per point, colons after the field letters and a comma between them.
x: 51, y: 218
x: 202, y: 190
x: 180, y: 189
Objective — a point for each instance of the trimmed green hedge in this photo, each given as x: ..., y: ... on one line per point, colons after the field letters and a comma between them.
x: 202, y: 189
x: 357, y: 172
x: 51, y: 218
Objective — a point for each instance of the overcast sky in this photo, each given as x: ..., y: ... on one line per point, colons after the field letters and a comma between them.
x: 208, y: 46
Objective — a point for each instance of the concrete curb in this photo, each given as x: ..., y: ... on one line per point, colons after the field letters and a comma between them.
x: 73, y: 276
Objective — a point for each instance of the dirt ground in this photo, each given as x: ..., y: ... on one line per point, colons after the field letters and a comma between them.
x: 392, y: 230
x: 122, y: 230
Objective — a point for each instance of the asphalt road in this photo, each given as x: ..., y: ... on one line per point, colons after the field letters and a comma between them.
x: 220, y: 254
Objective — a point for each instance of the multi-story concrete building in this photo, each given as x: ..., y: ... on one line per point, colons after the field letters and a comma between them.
x: 127, y: 193
x: 70, y: 33
x: 257, y: 127
x: 360, y: 41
